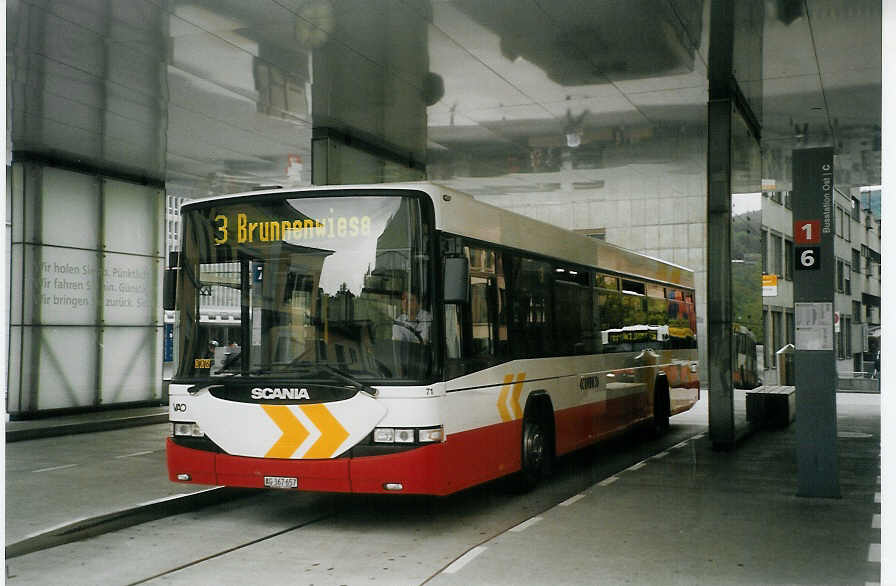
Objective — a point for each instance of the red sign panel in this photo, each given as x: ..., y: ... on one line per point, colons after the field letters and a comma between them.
x: 807, y: 231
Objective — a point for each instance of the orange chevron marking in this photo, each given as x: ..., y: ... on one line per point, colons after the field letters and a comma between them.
x: 502, y: 398
x: 332, y: 434
x: 517, y: 389
x: 294, y: 433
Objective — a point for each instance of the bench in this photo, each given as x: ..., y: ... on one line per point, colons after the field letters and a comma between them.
x: 771, y: 405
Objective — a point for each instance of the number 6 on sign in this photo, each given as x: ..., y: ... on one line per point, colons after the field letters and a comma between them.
x: 807, y: 258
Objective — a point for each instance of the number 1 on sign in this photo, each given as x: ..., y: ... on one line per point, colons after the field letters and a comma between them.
x: 807, y: 231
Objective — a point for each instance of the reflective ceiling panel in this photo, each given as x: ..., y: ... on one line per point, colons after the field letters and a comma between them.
x: 591, y: 99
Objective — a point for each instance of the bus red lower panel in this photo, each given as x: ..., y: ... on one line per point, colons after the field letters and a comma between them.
x: 580, y: 426
x: 198, y: 464
x: 466, y: 459
x: 439, y: 469
x: 313, y: 475
x: 418, y: 471
x: 222, y: 469
x: 482, y: 454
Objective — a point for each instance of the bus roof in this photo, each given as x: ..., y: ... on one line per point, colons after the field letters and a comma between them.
x: 460, y: 213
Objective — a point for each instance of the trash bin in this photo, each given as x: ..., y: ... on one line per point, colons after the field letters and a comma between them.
x: 784, y: 358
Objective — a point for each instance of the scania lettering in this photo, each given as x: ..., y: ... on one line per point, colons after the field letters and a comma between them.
x: 277, y: 393
x: 407, y: 338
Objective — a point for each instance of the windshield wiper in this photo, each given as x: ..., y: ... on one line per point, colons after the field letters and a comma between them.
x: 338, y: 373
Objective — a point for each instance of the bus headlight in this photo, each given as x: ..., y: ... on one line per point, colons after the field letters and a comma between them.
x: 432, y: 434
x: 408, y: 435
x: 404, y: 436
x: 184, y: 429
x: 384, y: 435
x: 391, y: 435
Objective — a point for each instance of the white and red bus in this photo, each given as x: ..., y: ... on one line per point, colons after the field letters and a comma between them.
x: 408, y: 338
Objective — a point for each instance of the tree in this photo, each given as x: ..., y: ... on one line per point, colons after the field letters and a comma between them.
x: 746, y: 272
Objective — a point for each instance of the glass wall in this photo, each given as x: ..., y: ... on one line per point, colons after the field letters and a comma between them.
x: 85, y: 327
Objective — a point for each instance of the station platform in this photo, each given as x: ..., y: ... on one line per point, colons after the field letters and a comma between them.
x: 693, y: 515
x: 685, y: 515
x: 90, y: 422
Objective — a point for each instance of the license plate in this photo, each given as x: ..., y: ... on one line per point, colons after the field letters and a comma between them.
x: 281, y: 482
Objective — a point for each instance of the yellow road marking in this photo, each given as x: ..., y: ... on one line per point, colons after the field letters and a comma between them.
x: 517, y: 389
x: 332, y: 434
x: 294, y: 433
x: 502, y: 398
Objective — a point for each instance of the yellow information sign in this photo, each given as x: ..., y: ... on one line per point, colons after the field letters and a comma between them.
x: 769, y: 285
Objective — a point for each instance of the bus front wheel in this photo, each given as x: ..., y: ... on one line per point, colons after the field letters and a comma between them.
x: 534, y: 453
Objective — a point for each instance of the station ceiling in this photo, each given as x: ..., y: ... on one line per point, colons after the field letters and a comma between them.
x: 217, y: 96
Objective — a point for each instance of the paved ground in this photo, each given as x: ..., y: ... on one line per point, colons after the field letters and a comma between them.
x: 695, y: 516
x: 57, y: 480
x: 640, y: 513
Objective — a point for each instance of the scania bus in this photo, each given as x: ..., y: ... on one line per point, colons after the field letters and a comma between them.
x: 408, y: 338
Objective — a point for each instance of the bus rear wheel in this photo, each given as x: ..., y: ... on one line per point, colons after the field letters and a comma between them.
x: 661, y: 407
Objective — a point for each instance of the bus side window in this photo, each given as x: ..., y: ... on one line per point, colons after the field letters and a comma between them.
x: 482, y: 342
x: 531, y: 313
x: 473, y: 331
x: 453, y: 341
x: 573, y: 325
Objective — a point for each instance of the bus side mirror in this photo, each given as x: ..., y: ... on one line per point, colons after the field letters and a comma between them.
x: 457, y: 280
x: 169, y: 289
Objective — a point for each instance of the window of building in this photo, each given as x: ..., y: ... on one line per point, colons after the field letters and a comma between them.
x: 838, y: 342
x: 788, y: 260
x: 839, y: 276
x: 847, y: 288
x: 843, y: 227
x: 778, y: 255
x: 778, y: 330
x: 856, y: 261
x: 846, y: 328
x: 791, y: 327
x: 856, y: 206
x: 763, y: 246
x: 857, y: 311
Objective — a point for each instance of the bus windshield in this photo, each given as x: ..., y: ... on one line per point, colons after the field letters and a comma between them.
x: 305, y: 287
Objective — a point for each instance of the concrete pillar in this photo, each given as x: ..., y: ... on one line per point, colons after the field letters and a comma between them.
x: 726, y: 103
x: 369, y: 111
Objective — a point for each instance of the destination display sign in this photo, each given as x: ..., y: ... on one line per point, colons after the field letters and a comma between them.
x: 241, y: 228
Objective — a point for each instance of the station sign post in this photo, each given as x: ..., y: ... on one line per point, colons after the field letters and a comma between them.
x: 815, y: 367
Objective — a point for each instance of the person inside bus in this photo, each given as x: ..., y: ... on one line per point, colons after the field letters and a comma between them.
x: 231, y: 356
x: 413, y: 324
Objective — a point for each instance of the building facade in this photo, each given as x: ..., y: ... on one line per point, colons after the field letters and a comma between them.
x: 856, y: 287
